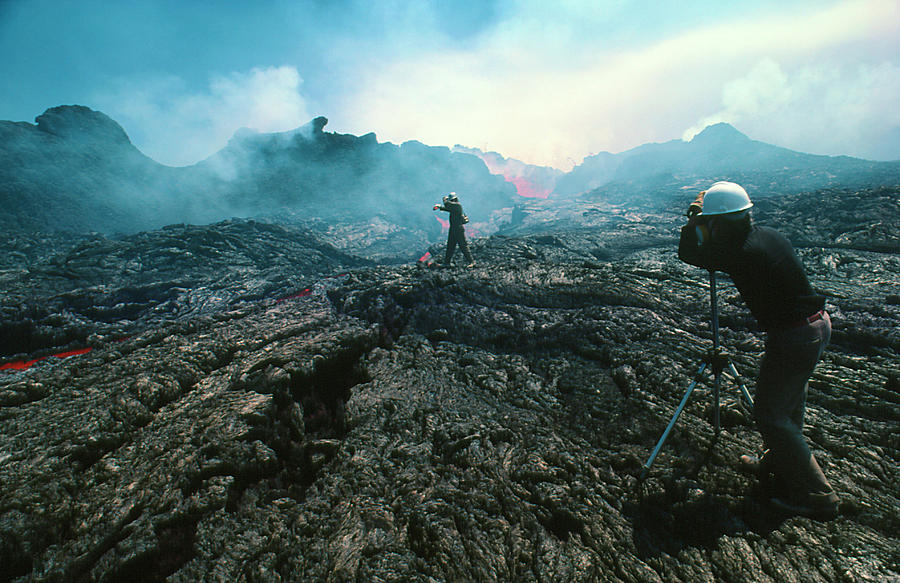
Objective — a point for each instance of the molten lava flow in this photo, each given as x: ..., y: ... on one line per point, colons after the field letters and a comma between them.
x: 425, y: 257
x: 73, y: 353
x: 526, y: 189
x: 511, y: 171
x: 302, y: 294
x: 26, y: 364
x: 445, y: 224
x: 19, y: 364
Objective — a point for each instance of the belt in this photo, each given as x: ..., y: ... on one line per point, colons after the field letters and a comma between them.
x: 820, y: 315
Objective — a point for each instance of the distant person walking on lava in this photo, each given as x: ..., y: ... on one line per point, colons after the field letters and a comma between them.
x: 721, y: 236
x: 457, y: 234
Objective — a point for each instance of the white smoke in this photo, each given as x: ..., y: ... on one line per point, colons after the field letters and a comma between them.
x: 821, y: 109
x: 538, y: 88
x: 178, y: 127
x: 761, y: 92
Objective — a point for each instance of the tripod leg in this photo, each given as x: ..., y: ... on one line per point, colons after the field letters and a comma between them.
x: 716, y: 422
x: 744, y: 392
x: 675, y: 417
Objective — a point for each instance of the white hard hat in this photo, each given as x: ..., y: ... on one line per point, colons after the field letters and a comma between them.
x: 725, y: 197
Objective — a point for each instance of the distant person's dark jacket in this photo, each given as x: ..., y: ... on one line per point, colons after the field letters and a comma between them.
x: 456, y: 213
x: 764, y: 268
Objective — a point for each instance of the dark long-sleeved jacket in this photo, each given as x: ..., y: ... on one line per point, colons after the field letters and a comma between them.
x: 456, y: 213
x: 765, y: 269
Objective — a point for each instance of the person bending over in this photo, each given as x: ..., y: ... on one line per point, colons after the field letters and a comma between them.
x: 720, y: 236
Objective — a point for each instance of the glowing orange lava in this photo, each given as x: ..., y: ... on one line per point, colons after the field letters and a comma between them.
x: 526, y: 189
x: 26, y: 364
x: 302, y: 294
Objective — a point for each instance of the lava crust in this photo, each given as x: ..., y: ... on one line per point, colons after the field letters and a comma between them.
x: 259, y: 406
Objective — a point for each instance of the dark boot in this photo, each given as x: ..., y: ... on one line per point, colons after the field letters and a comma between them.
x: 770, y: 483
x: 754, y: 465
x: 816, y: 505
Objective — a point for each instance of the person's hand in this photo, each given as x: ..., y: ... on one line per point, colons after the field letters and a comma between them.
x: 697, y: 206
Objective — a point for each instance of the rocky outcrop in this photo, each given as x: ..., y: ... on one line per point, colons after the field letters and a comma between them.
x: 82, y: 125
x: 406, y: 423
x: 76, y: 170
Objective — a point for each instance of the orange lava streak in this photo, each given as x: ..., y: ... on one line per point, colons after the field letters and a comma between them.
x: 26, y: 364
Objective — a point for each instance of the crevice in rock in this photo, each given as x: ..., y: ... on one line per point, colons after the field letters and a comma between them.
x: 88, y: 452
x: 562, y: 523
x: 306, y: 422
x: 323, y: 392
x: 82, y: 565
x: 13, y: 556
x: 175, y: 549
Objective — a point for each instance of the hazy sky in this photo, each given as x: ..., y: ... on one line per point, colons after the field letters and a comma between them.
x: 545, y: 82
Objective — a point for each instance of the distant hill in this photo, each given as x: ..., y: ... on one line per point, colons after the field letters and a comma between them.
x: 76, y: 170
x: 721, y: 152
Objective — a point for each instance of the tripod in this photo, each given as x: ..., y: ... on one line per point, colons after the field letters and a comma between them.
x: 716, y: 360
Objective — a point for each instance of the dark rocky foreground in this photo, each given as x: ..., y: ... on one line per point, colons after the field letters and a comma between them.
x: 399, y: 423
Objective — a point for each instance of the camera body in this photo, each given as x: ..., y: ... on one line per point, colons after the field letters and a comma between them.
x: 700, y: 220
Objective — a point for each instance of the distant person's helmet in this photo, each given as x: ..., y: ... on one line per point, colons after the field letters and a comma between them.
x: 723, y: 198
x: 452, y: 197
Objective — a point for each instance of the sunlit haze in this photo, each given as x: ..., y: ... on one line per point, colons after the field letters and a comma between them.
x: 546, y: 83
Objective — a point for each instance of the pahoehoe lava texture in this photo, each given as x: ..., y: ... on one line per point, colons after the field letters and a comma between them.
x: 397, y: 423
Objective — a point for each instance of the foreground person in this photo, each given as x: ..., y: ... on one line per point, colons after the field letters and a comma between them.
x: 721, y: 236
x: 457, y: 234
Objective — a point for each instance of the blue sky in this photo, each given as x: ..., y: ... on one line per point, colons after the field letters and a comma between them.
x: 547, y: 83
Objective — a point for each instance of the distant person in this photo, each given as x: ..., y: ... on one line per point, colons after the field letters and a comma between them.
x: 457, y: 234
x: 720, y: 235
